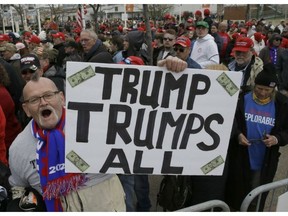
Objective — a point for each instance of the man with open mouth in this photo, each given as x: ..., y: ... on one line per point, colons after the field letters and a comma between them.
x: 37, y: 159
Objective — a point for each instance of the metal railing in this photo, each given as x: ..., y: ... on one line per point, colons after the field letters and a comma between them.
x: 259, y: 191
x: 209, y: 205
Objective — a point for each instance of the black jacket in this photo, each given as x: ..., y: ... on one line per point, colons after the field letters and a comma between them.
x: 238, y: 158
x: 136, y: 41
x: 282, y: 70
x: 16, y: 84
x: 98, y: 53
x: 61, y: 54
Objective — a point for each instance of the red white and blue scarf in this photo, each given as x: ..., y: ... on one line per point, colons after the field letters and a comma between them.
x: 51, y: 165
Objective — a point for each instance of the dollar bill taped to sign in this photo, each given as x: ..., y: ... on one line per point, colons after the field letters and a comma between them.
x: 212, y: 164
x: 227, y: 84
x: 77, y: 161
x: 81, y: 76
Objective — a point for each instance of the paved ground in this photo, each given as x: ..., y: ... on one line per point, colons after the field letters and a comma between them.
x: 271, y: 202
x: 282, y: 173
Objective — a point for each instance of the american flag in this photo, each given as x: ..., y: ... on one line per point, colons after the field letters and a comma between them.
x: 79, y: 17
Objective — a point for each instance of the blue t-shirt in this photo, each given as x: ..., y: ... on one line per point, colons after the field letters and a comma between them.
x: 260, y: 119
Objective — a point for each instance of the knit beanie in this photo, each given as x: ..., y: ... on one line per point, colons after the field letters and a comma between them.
x: 267, y: 77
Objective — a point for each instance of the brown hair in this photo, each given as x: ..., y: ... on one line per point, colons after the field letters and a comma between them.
x: 171, y: 31
x: 4, y: 78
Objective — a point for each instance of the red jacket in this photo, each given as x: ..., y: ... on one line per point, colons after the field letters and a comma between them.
x: 284, y: 43
x: 13, y: 127
x: 225, y: 41
x: 3, y: 158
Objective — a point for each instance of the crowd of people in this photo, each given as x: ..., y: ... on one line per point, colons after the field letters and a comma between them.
x: 32, y: 107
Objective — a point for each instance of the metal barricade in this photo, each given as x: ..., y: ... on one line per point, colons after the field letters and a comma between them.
x: 258, y: 192
x: 209, y: 205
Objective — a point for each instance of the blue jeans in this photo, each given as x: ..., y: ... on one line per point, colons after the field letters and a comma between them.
x: 139, y: 185
x: 141, y: 188
x: 127, y: 182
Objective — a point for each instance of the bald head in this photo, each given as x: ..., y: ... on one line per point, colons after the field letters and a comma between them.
x: 43, y: 102
x: 37, y: 82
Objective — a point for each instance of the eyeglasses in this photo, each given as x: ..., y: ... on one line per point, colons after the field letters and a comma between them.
x: 47, y: 97
x: 278, y: 39
x: 170, y: 39
x: 24, y: 72
x: 181, y: 49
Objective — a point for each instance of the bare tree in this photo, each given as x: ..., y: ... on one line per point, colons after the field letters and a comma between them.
x: 157, y: 11
x: 148, y: 33
x: 20, y: 10
x: 56, y: 11
x: 95, y: 8
x: 247, y: 12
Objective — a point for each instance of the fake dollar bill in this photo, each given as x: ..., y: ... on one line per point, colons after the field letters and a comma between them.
x: 81, y: 76
x: 77, y: 161
x: 212, y: 164
x: 227, y: 84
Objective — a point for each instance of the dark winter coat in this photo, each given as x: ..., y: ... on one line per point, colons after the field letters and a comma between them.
x: 61, y: 54
x: 98, y: 53
x: 16, y: 84
x: 58, y: 76
x: 218, y: 41
x: 238, y: 158
x: 137, y: 46
x: 282, y: 70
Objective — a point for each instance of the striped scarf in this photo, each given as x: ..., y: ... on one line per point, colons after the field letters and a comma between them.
x: 51, y: 165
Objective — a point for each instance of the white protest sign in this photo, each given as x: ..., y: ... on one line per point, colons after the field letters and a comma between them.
x: 282, y: 203
x: 145, y: 119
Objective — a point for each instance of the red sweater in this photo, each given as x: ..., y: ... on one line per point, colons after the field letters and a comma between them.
x: 225, y: 41
x: 13, y: 127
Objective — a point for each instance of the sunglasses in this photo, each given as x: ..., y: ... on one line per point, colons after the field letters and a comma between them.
x: 181, y: 49
x: 165, y: 39
x: 24, y: 72
x: 278, y: 39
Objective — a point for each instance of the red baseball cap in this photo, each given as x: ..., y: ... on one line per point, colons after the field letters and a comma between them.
x: 77, y: 30
x: 258, y: 36
x: 206, y: 11
x: 198, y: 12
x: 34, y: 39
x: 248, y: 23
x: 59, y: 35
x: 140, y: 29
x: 243, y: 44
x: 168, y: 16
x: 183, y: 41
x: 190, y: 28
x: 120, y: 28
x: 4, y: 37
x: 190, y: 20
x: 235, y: 35
x: 134, y: 60
x: 27, y: 34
